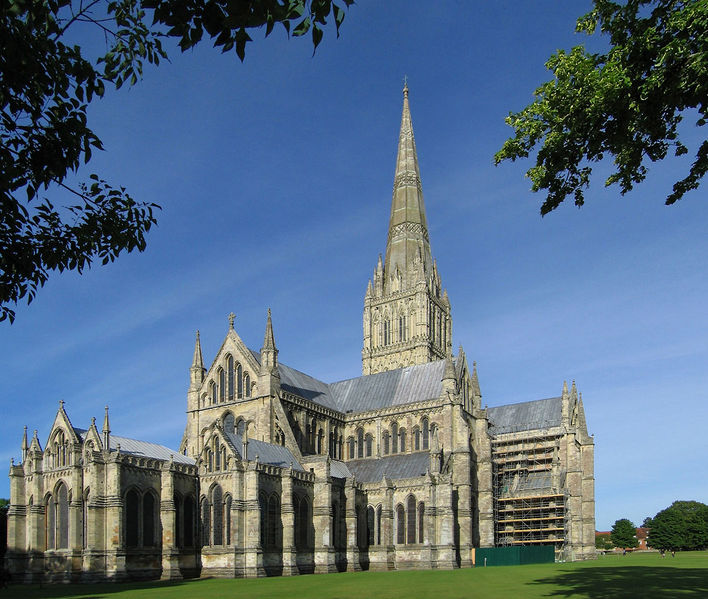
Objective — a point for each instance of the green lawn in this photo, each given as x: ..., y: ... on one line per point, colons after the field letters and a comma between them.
x: 610, y: 577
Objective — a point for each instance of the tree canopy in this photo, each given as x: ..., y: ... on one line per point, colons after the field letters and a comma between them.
x: 681, y: 526
x: 624, y: 534
x: 626, y: 103
x: 46, y: 85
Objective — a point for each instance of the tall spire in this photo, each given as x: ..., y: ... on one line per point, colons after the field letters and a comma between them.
x: 196, y: 371
x: 269, y: 339
x: 408, y: 243
x: 269, y: 377
x: 197, y: 360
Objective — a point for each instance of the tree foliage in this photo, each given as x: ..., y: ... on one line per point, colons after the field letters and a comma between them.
x: 46, y: 85
x: 624, y: 534
x: 626, y: 103
x: 603, y: 542
x: 681, y: 526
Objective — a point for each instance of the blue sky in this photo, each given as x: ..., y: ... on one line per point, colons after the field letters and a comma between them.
x: 275, y: 180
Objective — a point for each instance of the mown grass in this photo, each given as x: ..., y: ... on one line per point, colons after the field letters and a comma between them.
x: 609, y: 577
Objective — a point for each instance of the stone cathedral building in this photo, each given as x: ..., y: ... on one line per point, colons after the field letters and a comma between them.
x: 279, y: 473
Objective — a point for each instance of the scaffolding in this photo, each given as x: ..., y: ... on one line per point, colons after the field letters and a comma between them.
x: 530, y: 505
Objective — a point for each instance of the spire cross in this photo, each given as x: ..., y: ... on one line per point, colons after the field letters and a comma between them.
x: 232, y: 317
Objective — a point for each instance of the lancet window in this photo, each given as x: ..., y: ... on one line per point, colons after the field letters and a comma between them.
x: 140, y: 519
x: 57, y: 518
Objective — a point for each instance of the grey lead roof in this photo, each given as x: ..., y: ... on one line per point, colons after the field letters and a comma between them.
x: 539, y: 414
x: 393, y: 388
x: 142, y: 448
x: 339, y: 469
x: 407, y: 465
x: 268, y: 453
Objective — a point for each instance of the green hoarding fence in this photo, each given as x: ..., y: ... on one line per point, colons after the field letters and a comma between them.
x: 514, y: 556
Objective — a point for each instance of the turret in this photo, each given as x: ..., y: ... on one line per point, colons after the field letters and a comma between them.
x: 196, y: 371
x: 106, y: 432
x: 25, y: 445
x: 269, y: 376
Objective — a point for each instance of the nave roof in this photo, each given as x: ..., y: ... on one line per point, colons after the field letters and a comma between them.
x: 142, y: 448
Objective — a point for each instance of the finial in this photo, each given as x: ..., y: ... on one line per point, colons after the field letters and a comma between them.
x: 232, y: 317
x: 93, y: 421
x: 405, y: 86
x: 12, y: 462
x: 61, y: 404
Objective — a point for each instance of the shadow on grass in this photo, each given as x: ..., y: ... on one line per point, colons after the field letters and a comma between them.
x: 631, y: 581
x: 88, y: 591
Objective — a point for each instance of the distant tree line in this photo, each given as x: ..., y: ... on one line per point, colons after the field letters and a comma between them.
x: 683, y: 526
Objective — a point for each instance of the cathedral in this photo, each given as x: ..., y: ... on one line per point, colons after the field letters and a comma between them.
x: 279, y: 473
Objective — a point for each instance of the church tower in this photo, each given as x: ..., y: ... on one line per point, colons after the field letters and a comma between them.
x: 406, y: 313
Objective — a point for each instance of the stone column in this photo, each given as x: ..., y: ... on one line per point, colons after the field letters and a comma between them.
x: 92, y: 559
x: 322, y: 521
x: 253, y: 548
x: 168, y: 518
x: 17, y: 541
x: 288, y: 518
x: 444, y: 550
x: 387, y: 532
x: 352, y: 523
x: 115, y: 546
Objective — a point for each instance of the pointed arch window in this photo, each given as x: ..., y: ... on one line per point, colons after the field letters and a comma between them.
x: 188, y: 521
x: 217, y: 455
x: 385, y: 441
x: 273, y: 532
x: 239, y: 381
x: 394, y: 438
x: 402, y: 330
x: 132, y: 501
x: 247, y: 384
x: 379, y: 511
x: 230, y: 376
x: 400, y: 524
x: 370, y: 526
x: 369, y: 444
x: 213, y: 393
x: 421, y: 522
x: 402, y: 443
x: 416, y: 438
x: 205, y: 521
x: 149, y: 520
x: 222, y: 384
x: 411, y: 517
x: 263, y: 506
x: 350, y: 445
x: 227, y: 520
x: 360, y: 443
x: 217, y: 503
x: 426, y: 433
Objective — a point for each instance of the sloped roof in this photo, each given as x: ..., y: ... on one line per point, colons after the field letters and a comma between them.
x: 142, y: 448
x: 384, y: 389
x: 148, y: 450
x: 392, y: 388
x: 268, y: 453
x: 406, y: 465
x: 339, y: 469
x: 524, y: 416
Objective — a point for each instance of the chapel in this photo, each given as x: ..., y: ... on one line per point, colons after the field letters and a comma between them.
x: 279, y: 473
